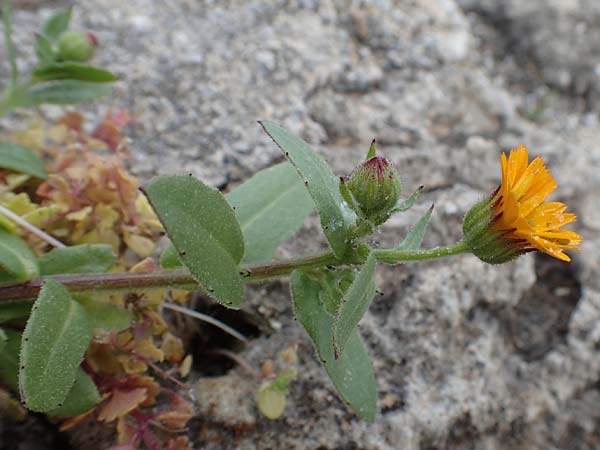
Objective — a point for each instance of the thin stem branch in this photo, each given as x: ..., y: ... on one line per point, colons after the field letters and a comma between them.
x: 182, y: 279
x: 31, y: 228
x: 206, y: 318
x: 391, y: 256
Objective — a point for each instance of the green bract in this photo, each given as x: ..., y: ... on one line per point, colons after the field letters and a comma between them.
x: 375, y: 186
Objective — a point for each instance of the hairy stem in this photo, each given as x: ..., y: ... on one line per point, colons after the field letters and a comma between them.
x: 390, y: 256
x: 182, y: 279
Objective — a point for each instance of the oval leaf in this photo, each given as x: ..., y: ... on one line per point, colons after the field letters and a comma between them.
x: 203, y: 228
x: 64, y: 92
x: 54, y: 341
x: 88, y: 258
x: 354, y: 304
x: 82, y: 396
x: 73, y: 71
x: 21, y: 159
x: 351, y: 373
x: 270, y: 207
x: 337, y: 218
x: 16, y: 259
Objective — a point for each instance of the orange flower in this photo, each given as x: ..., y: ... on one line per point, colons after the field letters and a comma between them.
x: 515, y: 219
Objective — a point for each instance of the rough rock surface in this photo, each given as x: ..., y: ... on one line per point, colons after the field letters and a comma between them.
x: 467, y: 356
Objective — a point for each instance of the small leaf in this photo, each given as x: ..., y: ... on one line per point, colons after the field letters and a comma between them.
x: 169, y: 259
x: 9, y: 359
x: 270, y: 207
x: 121, y: 403
x: 333, y: 285
x: 337, y: 218
x: 87, y: 258
x: 83, y: 396
x: 104, y: 315
x: 271, y: 400
x: 43, y: 49
x: 203, y: 228
x: 354, y: 304
x: 14, y: 310
x: 73, y: 71
x: 409, y: 202
x: 54, y: 341
x: 21, y: 159
x: 351, y: 373
x: 414, y: 238
x: 57, y: 23
x: 63, y: 92
x: 16, y: 259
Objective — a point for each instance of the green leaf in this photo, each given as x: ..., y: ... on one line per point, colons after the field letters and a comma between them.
x: 9, y: 359
x: 337, y: 218
x: 3, y: 339
x: 73, y: 71
x: 21, y: 159
x: 54, y: 341
x: 82, y: 396
x: 354, y: 304
x: 16, y: 258
x: 169, y: 259
x: 409, y: 202
x: 334, y: 283
x: 63, y: 92
x: 203, y: 228
x: 87, y: 258
x: 414, y: 237
x: 351, y: 373
x: 7, y: 278
x: 14, y: 310
x: 104, y: 315
x: 270, y: 207
x: 43, y: 49
x: 57, y: 23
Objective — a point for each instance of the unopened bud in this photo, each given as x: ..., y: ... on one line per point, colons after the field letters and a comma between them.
x: 76, y: 46
x: 375, y: 186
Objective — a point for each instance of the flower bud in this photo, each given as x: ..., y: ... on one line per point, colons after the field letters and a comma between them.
x: 76, y: 46
x: 375, y: 186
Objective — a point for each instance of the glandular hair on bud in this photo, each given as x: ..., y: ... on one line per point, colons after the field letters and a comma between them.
x: 376, y: 187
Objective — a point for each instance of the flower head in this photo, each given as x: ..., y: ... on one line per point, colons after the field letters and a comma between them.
x: 375, y: 187
x: 515, y: 219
